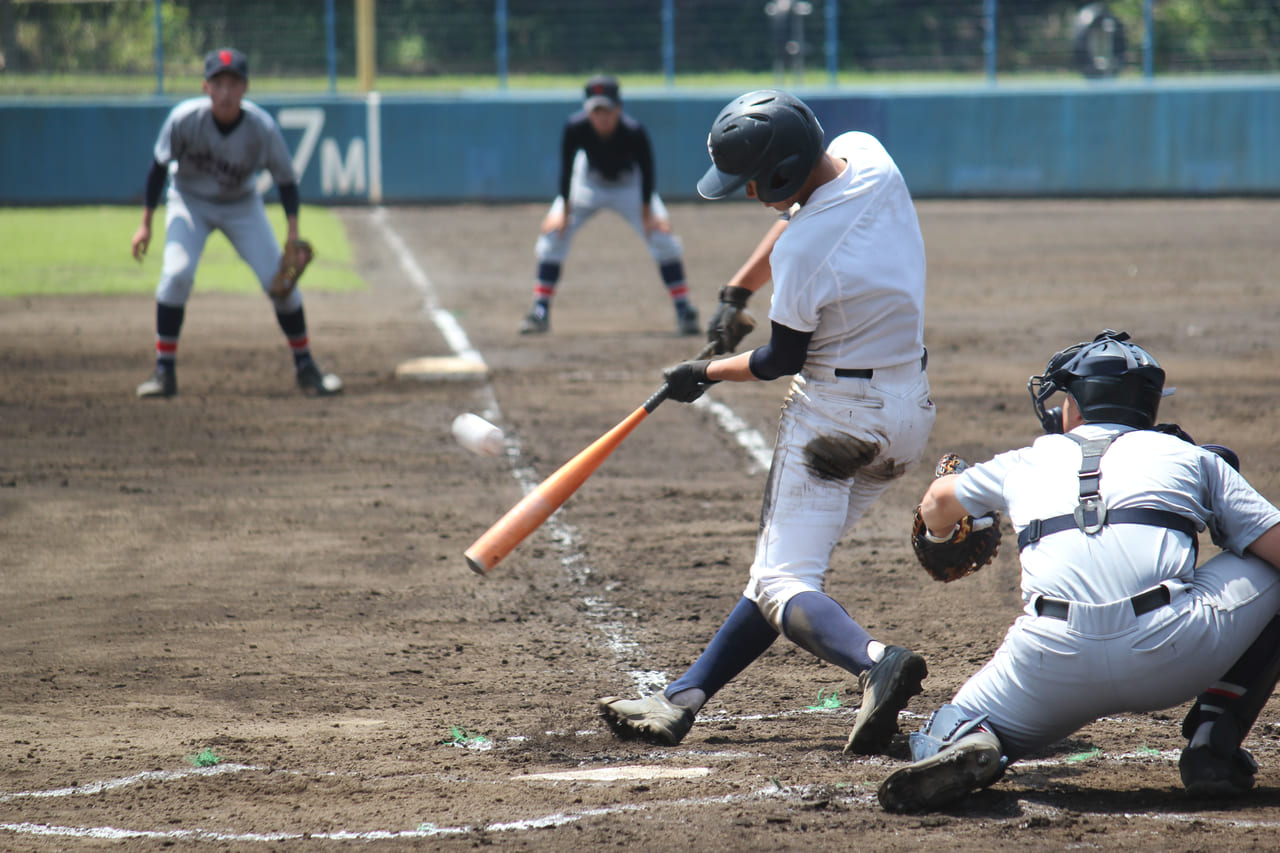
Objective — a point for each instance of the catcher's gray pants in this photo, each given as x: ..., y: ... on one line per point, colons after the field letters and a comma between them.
x: 841, y: 442
x: 1051, y: 677
x: 188, y: 222
x: 588, y: 194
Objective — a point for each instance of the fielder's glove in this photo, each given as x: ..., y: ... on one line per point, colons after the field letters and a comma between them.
x: 971, y: 545
x: 732, y: 321
x: 297, y: 254
x: 687, y: 381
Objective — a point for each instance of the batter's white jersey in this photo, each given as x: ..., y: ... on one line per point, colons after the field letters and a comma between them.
x: 850, y: 268
x: 851, y: 265
x: 217, y: 166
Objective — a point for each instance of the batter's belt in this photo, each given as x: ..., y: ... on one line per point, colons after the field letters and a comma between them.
x: 905, y: 369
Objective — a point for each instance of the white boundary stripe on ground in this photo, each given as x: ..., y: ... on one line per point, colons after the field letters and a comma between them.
x: 565, y: 537
x: 866, y: 800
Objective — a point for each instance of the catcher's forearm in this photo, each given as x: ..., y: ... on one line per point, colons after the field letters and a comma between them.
x: 940, y: 508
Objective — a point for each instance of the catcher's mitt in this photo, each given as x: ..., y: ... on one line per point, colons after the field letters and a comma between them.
x: 297, y: 254
x: 972, y: 544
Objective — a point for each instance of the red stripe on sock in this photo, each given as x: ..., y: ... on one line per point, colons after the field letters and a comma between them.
x: 680, y: 291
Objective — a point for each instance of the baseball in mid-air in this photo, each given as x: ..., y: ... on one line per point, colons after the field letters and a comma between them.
x: 478, y: 435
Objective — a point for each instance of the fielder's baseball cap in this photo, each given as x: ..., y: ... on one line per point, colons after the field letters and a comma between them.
x: 226, y: 59
x: 602, y: 91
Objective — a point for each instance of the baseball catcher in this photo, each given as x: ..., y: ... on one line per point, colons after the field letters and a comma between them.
x: 970, y: 545
x: 293, y: 261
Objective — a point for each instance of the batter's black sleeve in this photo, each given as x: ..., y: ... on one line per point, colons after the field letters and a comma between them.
x: 784, y: 354
x: 289, y: 199
x: 155, y: 184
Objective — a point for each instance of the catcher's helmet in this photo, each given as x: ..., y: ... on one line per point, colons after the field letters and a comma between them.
x: 1111, y: 380
x: 766, y: 136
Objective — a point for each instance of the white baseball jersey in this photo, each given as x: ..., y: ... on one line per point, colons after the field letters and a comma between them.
x: 219, y: 166
x: 1142, y: 468
x: 850, y: 268
x: 851, y: 265
x: 1052, y: 675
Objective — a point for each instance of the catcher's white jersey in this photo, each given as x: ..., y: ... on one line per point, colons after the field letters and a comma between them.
x: 1056, y: 672
x: 220, y: 166
x: 1142, y: 468
x: 851, y: 265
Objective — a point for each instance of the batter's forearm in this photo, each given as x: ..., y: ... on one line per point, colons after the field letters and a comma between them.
x: 756, y: 272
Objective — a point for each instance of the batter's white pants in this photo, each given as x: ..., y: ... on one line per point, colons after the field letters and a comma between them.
x: 841, y: 442
x: 589, y: 193
x: 1049, y: 678
x: 190, y: 220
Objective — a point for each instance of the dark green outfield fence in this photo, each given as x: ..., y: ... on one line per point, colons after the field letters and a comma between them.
x: 1106, y: 138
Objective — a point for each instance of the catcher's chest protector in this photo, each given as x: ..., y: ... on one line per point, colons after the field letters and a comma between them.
x: 1091, y: 513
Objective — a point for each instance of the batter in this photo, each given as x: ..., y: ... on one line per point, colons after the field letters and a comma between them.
x: 606, y: 162
x: 847, y: 317
x: 217, y: 145
x: 1118, y: 615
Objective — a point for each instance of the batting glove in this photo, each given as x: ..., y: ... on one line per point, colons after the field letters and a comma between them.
x: 687, y: 381
x: 732, y: 321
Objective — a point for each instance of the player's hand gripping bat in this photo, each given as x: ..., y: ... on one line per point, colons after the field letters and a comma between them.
x: 549, y: 495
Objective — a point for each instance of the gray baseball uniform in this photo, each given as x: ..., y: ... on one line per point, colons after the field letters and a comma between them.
x: 212, y: 187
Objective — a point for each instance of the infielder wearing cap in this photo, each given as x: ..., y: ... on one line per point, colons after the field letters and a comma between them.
x: 606, y: 162
x: 848, y: 271
x: 216, y: 146
x: 1117, y: 615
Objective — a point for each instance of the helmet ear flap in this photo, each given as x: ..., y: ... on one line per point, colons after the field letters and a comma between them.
x: 784, y: 180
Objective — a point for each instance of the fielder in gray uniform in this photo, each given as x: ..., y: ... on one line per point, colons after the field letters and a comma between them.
x: 606, y: 162
x: 219, y: 144
x: 1117, y: 614
x: 848, y: 271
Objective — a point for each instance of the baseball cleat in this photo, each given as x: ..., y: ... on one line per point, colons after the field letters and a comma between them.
x: 652, y: 718
x: 1207, y: 775
x: 536, y: 322
x: 886, y: 688
x: 687, y: 322
x: 161, y: 383
x: 972, y: 762
x: 312, y: 380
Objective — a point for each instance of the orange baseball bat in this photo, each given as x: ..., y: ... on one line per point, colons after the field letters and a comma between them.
x: 549, y: 495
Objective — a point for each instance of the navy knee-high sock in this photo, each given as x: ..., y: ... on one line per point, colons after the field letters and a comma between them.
x: 819, y: 625
x: 744, y: 636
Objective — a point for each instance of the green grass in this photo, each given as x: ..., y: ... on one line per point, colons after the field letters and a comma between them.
x: 80, y: 250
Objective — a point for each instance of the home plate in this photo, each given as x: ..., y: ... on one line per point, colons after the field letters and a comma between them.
x: 625, y: 773
x: 442, y: 368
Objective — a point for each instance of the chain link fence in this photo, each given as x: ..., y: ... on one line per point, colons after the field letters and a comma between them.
x: 94, y: 47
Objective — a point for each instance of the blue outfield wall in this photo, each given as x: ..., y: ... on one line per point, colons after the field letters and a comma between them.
x: 1091, y: 139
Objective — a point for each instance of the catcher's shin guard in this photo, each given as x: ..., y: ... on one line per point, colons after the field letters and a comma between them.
x: 1233, y: 705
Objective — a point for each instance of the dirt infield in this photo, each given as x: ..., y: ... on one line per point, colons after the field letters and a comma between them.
x: 244, y: 576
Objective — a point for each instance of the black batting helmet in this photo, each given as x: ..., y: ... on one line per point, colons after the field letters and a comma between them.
x: 767, y: 136
x: 1111, y: 380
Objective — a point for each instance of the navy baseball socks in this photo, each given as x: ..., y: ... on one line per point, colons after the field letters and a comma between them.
x: 665, y: 718
x: 163, y: 381
x: 1214, y: 763
x: 311, y: 379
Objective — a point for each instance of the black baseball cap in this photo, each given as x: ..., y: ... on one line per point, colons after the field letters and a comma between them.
x: 602, y: 91
x: 226, y: 59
